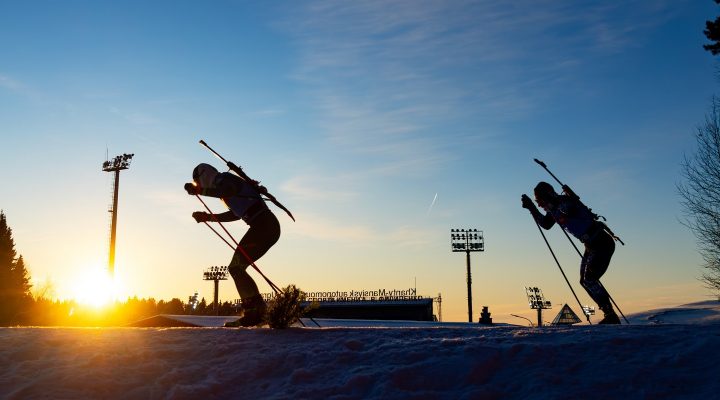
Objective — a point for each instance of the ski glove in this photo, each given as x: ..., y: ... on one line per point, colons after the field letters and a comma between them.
x: 191, y: 189
x: 527, y: 203
x: 201, y: 216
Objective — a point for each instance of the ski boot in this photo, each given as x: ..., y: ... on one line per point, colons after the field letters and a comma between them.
x: 611, y: 318
x: 254, y: 309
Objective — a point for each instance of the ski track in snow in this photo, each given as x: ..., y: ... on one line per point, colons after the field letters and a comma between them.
x: 639, y: 361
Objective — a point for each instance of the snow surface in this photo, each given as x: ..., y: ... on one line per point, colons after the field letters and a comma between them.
x: 663, y: 354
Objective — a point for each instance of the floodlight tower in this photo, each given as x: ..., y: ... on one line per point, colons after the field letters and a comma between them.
x: 216, y: 274
x: 115, y: 165
x: 537, y: 302
x: 467, y: 240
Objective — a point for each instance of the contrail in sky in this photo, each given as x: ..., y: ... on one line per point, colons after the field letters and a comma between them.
x: 432, y: 204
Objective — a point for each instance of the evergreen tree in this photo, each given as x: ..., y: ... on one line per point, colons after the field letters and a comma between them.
x: 202, y: 308
x: 14, y: 278
x: 22, y: 278
x: 712, y: 32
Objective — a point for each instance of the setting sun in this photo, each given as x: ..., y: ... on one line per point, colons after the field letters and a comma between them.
x: 96, y: 288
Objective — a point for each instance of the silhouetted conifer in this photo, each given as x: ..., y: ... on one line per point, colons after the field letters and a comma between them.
x: 285, y: 309
x: 712, y: 32
x: 14, y: 278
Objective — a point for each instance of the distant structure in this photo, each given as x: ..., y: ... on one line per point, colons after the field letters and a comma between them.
x: 193, y: 301
x: 537, y: 302
x: 115, y: 165
x: 438, y: 300
x: 467, y: 240
x: 420, y: 309
x: 368, y: 304
x: 216, y: 274
x: 485, y: 316
x: 566, y: 316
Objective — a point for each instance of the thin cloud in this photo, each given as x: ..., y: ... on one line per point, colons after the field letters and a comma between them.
x: 135, y: 117
x: 389, y: 75
x: 10, y: 84
x: 317, y: 187
x: 318, y: 227
x: 321, y: 228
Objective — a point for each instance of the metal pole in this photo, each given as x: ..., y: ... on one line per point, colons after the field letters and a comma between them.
x: 111, y: 261
x: 215, y: 297
x: 469, y: 285
x: 439, y: 301
x: 539, y: 323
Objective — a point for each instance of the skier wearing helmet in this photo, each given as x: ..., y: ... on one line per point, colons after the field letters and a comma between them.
x: 579, y: 221
x: 243, y: 202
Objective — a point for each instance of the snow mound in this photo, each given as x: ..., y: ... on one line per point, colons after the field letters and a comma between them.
x: 695, y: 313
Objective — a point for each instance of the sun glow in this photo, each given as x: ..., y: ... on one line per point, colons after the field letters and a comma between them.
x: 96, y: 288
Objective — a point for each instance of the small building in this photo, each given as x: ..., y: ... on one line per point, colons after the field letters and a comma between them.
x: 566, y: 316
x: 418, y: 309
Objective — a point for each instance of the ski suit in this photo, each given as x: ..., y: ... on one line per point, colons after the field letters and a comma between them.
x: 245, y: 203
x: 599, y: 245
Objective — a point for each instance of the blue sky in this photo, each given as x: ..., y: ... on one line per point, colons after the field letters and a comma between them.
x: 356, y: 115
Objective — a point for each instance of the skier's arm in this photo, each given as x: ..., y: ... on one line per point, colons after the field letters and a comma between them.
x: 223, y: 187
x: 546, y: 221
x: 193, y: 189
x: 227, y: 216
x: 202, y: 216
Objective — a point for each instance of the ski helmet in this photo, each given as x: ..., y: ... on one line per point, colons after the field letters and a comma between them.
x: 204, y: 175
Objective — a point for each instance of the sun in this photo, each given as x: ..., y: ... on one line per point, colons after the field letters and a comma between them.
x: 96, y: 288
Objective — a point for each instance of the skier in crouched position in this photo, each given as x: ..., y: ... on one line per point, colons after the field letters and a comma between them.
x: 243, y: 202
x: 577, y: 219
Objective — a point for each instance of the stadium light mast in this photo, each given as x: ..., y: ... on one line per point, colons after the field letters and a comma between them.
x: 115, y: 165
x: 467, y: 240
x: 216, y: 274
x: 537, y: 302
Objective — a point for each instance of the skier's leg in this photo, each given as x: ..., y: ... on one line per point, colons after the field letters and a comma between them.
x: 263, y: 233
x: 594, y: 264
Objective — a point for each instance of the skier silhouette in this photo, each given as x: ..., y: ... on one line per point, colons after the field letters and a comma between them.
x: 243, y: 202
x: 579, y: 221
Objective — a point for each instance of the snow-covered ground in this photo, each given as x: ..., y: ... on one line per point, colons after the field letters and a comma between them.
x: 664, y: 354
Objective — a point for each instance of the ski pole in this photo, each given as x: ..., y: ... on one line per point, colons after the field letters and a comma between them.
x: 242, y: 251
x: 561, y: 270
x: 611, y: 299
x: 219, y: 235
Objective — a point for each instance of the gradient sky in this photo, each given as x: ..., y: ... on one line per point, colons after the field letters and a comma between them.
x: 356, y: 115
